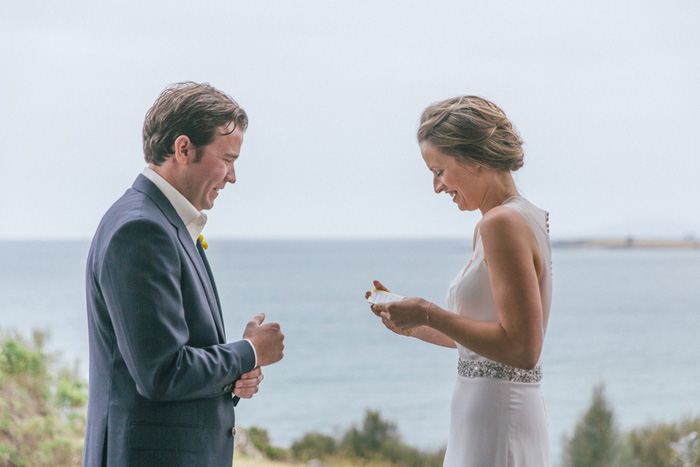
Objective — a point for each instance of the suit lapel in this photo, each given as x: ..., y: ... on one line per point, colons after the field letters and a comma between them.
x: 219, y: 323
x: 147, y: 187
x: 204, y: 277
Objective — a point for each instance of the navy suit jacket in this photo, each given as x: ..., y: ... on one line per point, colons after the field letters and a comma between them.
x: 161, y: 374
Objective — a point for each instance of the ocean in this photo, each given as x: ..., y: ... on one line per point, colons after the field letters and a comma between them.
x: 628, y: 319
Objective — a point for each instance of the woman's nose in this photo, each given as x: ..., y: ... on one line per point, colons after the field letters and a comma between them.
x: 437, y: 185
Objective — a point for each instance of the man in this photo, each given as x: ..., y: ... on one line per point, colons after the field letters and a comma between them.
x: 163, y: 380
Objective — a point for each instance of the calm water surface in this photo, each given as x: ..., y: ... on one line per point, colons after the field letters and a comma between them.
x: 625, y: 318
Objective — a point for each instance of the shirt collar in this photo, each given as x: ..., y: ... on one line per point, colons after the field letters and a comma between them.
x: 194, y: 220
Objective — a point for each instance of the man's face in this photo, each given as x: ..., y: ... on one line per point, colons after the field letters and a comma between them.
x: 202, y: 180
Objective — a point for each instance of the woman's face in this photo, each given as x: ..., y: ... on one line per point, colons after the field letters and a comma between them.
x: 460, y: 180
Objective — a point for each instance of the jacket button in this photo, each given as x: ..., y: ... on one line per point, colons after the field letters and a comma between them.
x: 233, y: 431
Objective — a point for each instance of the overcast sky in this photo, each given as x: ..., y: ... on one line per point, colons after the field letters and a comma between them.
x: 605, y: 94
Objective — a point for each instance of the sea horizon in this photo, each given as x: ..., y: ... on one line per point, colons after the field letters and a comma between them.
x: 621, y: 317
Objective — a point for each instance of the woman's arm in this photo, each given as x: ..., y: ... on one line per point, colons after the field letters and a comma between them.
x: 514, y: 264
x: 424, y: 333
x: 433, y: 336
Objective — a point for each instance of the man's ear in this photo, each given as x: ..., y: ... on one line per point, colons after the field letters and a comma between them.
x: 184, y: 150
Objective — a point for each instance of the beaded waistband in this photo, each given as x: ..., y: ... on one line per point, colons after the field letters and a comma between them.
x: 489, y: 369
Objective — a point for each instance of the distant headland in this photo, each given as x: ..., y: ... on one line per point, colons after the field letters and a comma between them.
x: 687, y: 243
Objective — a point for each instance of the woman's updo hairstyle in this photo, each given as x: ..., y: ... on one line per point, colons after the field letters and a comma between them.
x: 472, y: 129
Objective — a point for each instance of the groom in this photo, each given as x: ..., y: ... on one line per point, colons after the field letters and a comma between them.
x: 163, y: 379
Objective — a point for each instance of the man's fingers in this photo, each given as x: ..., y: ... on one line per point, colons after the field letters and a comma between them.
x: 248, y: 380
x: 245, y: 393
x: 254, y: 373
x: 248, y: 383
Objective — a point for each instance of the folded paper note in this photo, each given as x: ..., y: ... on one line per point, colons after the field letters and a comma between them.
x: 380, y: 296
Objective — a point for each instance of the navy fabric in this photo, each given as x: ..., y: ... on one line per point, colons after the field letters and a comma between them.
x: 159, y: 364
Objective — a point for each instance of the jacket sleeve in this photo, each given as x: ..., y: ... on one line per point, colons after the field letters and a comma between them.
x: 141, y: 283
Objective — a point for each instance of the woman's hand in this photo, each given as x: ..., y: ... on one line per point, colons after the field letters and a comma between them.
x: 389, y: 325
x: 405, y: 315
x: 377, y: 285
x: 400, y: 317
x: 408, y: 317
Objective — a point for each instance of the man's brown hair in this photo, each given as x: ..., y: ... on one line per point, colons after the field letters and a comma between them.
x: 191, y: 109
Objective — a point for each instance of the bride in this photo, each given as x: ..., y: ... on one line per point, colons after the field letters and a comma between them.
x: 498, y: 305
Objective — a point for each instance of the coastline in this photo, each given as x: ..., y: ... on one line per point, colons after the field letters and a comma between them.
x: 689, y: 243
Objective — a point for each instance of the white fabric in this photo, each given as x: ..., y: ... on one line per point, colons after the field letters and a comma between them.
x: 496, y: 422
x: 193, y: 219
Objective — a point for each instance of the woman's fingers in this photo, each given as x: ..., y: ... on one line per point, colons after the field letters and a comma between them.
x: 377, y: 285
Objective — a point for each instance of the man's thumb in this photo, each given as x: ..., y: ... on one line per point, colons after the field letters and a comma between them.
x: 259, y: 318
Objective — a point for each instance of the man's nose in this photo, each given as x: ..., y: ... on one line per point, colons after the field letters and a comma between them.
x: 231, y: 175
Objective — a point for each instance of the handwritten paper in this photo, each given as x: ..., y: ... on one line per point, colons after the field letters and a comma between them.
x: 380, y: 296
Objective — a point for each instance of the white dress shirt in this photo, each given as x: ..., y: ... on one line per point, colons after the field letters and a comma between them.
x: 194, y: 220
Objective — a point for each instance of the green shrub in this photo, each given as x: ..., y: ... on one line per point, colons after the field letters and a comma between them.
x: 42, y: 417
x: 378, y: 440
x: 60, y: 451
x: 71, y: 392
x: 375, y: 442
x: 261, y: 441
x: 375, y: 436
x: 314, y: 446
x: 9, y: 456
x: 667, y: 444
x: 17, y: 358
x: 595, y: 442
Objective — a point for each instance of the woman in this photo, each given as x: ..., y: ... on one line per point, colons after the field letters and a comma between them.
x: 498, y: 305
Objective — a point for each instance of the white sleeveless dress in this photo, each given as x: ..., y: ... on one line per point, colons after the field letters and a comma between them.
x: 497, y: 417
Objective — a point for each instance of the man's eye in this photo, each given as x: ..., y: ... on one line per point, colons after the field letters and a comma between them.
x: 439, y: 174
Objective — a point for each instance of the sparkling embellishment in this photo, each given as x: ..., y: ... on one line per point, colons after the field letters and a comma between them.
x: 489, y: 369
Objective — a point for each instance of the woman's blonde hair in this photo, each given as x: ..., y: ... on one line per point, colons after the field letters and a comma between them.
x: 472, y: 129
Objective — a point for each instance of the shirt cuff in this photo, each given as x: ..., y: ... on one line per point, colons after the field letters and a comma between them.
x: 255, y: 354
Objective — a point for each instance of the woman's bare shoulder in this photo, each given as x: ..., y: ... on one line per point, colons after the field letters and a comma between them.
x: 503, y: 220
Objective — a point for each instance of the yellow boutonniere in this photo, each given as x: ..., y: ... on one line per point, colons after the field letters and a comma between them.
x: 205, y: 245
